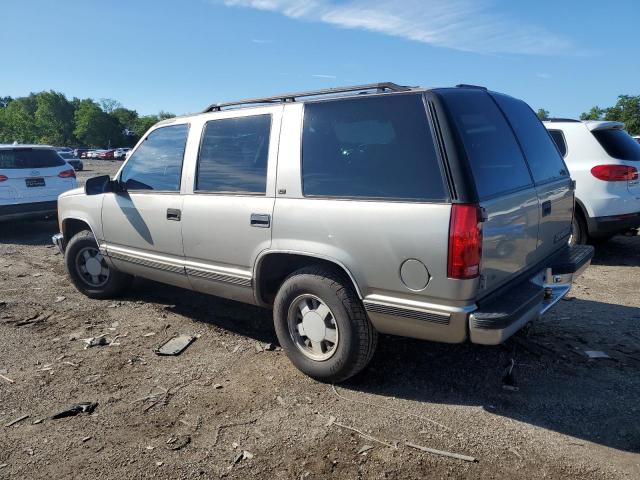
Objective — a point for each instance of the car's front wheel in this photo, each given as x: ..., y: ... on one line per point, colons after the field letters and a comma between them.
x: 89, y: 270
x: 322, y: 326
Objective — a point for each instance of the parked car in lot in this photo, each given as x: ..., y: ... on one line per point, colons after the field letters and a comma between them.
x: 76, y: 163
x: 121, y: 153
x: 106, y: 154
x: 80, y: 152
x: 603, y: 160
x: 439, y: 214
x: 31, y: 178
x: 63, y: 149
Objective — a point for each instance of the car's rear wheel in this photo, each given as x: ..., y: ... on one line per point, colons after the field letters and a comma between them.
x: 89, y: 270
x: 579, y: 233
x: 322, y: 326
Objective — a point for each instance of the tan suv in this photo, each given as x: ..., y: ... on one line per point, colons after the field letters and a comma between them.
x: 438, y: 214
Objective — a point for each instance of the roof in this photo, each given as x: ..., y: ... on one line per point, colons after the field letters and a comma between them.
x: 7, y: 146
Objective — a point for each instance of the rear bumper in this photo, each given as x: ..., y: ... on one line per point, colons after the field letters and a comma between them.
x: 509, y: 310
x: 28, y: 210
x: 58, y: 241
x: 613, y: 224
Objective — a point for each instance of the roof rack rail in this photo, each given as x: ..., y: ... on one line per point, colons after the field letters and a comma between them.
x: 291, y: 97
x: 558, y: 119
x: 467, y: 85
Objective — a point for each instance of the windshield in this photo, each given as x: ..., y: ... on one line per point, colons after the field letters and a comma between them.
x: 66, y: 156
x: 29, y: 158
x: 618, y: 144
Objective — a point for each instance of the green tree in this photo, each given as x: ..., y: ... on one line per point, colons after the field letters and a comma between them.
x: 626, y: 110
x: 595, y: 113
x: 94, y: 127
x: 144, y: 123
x: 5, y: 101
x: 108, y: 105
x: 543, y: 114
x: 17, y: 121
x: 54, y: 119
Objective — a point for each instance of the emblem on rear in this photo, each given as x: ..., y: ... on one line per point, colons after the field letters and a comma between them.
x: 35, y: 172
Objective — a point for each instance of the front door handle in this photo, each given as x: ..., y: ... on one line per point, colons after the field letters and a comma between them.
x: 173, y: 214
x: 260, y: 220
x: 546, y: 208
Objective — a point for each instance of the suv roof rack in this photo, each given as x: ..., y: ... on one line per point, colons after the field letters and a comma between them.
x: 467, y: 85
x: 291, y: 97
x: 558, y: 119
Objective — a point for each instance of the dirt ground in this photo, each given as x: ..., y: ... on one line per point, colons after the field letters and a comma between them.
x: 194, y: 415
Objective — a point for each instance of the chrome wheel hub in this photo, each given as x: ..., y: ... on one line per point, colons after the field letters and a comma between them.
x: 92, y: 267
x: 312, y: 327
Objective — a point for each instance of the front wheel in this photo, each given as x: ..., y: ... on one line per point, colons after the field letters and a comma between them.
x: 89, y: 270
x: 322, y: 326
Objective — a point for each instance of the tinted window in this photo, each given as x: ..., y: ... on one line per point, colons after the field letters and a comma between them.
x: 66, y: 156
x: 157, y: 163
x: 378, y: 147
x: 234, y: 154
x: 558, y: 138
x: 29, y: 158
x: 493, y: 153
x: 539, y: 150
x: 618, y: 144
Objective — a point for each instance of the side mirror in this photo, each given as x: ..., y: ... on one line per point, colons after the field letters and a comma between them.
x: 101, y: 184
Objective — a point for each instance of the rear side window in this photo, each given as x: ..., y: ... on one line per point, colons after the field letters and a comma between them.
x: 234, y: 155
x: 492, y: 151
x: 558, y: 138
x: 540, y: 152
x: 157, y: 163
x: 618, y: 144
x: 379, y: 147
x: 29, y: 158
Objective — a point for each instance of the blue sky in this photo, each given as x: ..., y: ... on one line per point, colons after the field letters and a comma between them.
x: 180, y: 56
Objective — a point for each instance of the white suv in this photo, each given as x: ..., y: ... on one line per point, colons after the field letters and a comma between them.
x: 603, y: 159
x: 31, y: 178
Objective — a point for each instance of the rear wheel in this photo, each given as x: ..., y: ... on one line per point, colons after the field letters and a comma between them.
x: 322, y: 326
x: 579, y: 233
x: 89, y: 270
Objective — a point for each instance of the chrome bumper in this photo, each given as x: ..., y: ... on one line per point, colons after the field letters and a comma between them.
x: 58, y: 241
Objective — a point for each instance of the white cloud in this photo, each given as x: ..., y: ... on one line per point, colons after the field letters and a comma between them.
x: 467, y: 25
x: 261, y: 41
x: 544, y: 76
x: 321, y: 75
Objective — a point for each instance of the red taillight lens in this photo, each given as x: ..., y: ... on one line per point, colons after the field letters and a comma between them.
x: 67, y: 174
x: 3, y: 178
x: 615, y: 173
x: 465, y: 242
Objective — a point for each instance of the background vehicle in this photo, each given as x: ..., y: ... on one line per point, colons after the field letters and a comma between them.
x: 80, y: 152
x: 121, y: 153
x: 31, y: 178
x: 63, y: 149
x: 76, y: 163
x: 438, y: 214
x: 603, y: 160
x: 106, y: 154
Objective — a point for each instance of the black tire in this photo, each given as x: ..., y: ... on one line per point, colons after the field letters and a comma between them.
x: 579, y: 232
x: 114, y: 284
x: 357, y: 338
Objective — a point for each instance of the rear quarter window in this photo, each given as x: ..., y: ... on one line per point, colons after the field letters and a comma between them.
x: 493, y: 153
x: 376, y: 148
x: 539, y: 150
x: 618, y: 144
x: 29, y: 158
x: 559, y: 140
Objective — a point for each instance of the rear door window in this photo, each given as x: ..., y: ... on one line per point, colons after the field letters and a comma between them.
x: 618, y: 144
x: 22, y: 158
x: 493, y: 153
x: 558, y: 138
x: 540, y: 152
x: 157, y: 163
x: 377, y: 148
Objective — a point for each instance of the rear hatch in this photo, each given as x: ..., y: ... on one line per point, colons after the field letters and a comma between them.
x: 520, y: 179
x: 33, y: 175
x: 619, y: 145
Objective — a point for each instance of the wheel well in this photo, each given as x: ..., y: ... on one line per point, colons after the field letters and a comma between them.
x: 71, y: 226
x: 274, y: 268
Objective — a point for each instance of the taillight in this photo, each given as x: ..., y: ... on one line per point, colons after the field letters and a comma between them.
x: 465, y: 242
x: 3, y: 178
x: 67, y: 174
x: 614, y: 173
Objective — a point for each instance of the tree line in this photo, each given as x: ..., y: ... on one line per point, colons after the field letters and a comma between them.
x: 626, y: 110
x: 50, y: 118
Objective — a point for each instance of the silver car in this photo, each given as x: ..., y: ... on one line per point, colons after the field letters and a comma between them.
x: 439, y: 214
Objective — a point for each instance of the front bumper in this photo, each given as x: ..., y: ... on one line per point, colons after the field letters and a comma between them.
x: 58, y: 241
x: 613, y: 224
x: 506, y: 312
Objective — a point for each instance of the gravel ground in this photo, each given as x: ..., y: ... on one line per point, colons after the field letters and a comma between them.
x: 194, y: 415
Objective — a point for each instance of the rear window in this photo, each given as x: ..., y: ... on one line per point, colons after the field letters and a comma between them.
x: 540, y: 152
x: 558, y: 138
x: 379, y: 147
x: 495, y: 158
x: 29, y: 158
x: 618, y: 144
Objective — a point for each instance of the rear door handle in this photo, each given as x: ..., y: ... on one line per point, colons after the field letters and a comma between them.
x: 260, y: 220
x: 173, y: 214
x: 546, y: 208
